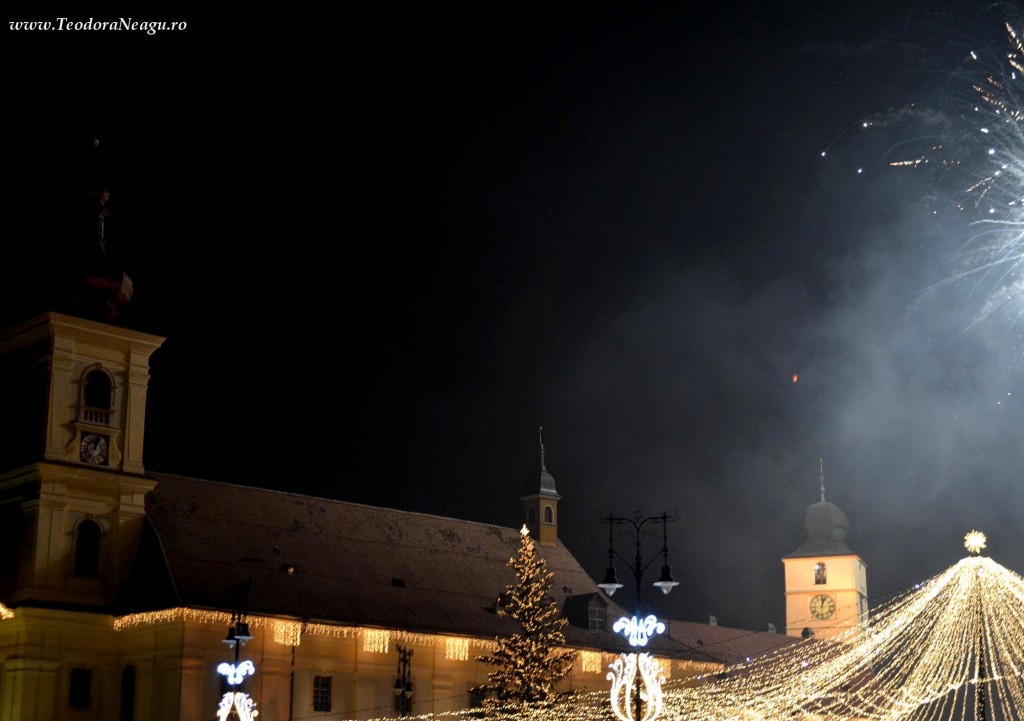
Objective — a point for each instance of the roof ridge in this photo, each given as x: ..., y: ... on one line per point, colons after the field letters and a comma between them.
x: 158, y: 476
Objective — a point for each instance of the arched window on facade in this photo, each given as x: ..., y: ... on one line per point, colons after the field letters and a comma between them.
x: 128, y: 694
x: 549, y: 515
x: 87, y: 549
x: 97, y: 395
x: 819, y: 573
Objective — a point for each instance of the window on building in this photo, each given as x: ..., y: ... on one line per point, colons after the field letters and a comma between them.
x: 819, y: 573
x: 80, y: 688
x: 87, y: 549
x: 549, y: 515
x: 128, y: 694
x: 97, y: 392
x: 322, y: 693
x: 597, y: 619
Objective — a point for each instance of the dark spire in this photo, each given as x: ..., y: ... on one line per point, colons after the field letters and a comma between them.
x: 821, y: 477
x: 107, y: 287
x: 540, y: 481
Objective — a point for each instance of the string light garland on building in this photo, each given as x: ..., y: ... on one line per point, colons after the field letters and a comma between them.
x: 5, y: 613
x: 456, y: 649
x: 376, y: 641
x: 289, y: 633
x: 592, y: 661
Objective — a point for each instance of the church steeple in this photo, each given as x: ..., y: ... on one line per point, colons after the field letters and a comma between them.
x: 826, y: 582
x: 821, y: 477
x: 74, y: 385
x: 540, y: 501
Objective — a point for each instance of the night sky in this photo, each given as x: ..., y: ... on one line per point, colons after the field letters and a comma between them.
x: 386, y: 246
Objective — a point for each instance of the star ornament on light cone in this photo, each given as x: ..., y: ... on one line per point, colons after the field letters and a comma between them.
x: 975, y: 542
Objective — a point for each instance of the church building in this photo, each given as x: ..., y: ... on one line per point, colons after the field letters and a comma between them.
x: 130, y: 594
x: 119, y: 583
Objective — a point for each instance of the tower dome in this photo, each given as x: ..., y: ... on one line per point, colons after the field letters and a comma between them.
x: 825, y: 527
x: 540, y: 481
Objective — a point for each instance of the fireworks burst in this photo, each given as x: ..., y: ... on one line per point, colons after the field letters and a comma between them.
x: 986, y: 162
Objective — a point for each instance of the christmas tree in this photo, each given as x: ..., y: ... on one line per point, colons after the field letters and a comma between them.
x: 529, y: 663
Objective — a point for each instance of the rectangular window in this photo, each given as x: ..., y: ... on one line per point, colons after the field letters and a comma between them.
x: 596, y: 619
x: 322, y: 693
x: 80, y: 688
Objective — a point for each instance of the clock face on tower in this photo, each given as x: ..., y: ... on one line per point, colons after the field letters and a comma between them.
x: 94, y: 449
x: 823, y: 606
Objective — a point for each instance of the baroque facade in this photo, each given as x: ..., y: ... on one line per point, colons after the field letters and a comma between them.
x: 121, y: 584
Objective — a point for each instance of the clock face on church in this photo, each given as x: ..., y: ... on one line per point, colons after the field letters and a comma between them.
x: 823, y: 606
x: 94, y: 449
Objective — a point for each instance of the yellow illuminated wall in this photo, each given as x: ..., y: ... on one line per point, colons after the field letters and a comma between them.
x: 840, y: 601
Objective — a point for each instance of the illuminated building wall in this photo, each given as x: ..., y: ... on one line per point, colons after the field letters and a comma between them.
x: 94, y: 538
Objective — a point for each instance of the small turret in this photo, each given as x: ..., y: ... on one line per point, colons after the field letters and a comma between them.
x: 540, y: 502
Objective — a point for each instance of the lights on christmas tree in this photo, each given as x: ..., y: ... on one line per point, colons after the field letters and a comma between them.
x: 530, y: 662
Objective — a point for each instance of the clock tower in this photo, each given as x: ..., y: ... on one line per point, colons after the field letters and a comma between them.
x: 72, y: 482
x: 826, y: 582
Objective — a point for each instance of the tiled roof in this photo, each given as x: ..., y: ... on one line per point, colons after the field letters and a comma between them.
x: 728, y: 645
x: 353, y: 564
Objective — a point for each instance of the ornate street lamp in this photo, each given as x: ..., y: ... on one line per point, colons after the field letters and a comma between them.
x: 403, y: 682
x: 235, y: 701
x: 637, y: 677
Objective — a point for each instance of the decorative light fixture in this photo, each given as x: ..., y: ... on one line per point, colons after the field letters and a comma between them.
x: 610, y: 584
x: 235, y: 703
x: 637, y: 677
x: 666, y: 583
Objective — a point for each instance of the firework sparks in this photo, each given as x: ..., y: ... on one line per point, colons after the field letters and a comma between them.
x: 987, y: 159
